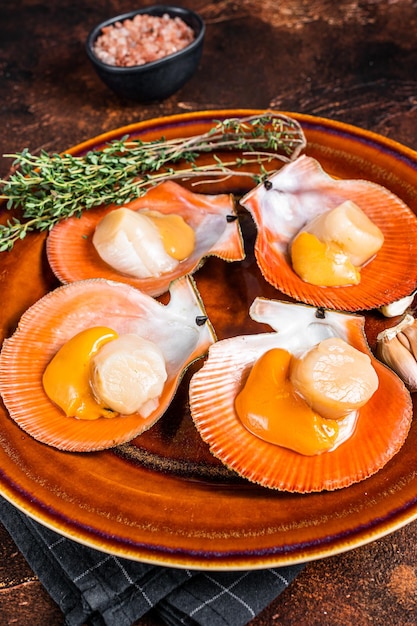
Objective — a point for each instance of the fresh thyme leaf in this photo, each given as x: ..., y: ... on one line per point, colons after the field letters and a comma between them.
x: 48, y: 188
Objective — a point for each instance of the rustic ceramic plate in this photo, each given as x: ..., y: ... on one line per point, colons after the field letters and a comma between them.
x: 163, y: 498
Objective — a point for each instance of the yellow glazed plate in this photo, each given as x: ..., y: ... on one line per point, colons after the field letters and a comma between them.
x: 164, y: 498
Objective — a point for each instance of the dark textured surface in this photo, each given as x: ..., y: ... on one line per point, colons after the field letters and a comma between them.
x: 351, y: 61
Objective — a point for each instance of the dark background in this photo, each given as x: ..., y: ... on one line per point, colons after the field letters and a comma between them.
x: 353, y: 61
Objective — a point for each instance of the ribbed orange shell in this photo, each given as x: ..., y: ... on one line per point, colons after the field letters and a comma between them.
x: 304, y: 187
x: 382, y: 425
x: 72, y: 255
x: 60, y: 315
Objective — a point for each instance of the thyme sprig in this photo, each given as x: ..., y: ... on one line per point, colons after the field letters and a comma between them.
x: 47, y: 188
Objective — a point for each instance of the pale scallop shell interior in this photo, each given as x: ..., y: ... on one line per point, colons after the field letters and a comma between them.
x: 72, y: 256
x: 180, y: 328
x: 382, y: 425
x: 299, y: 192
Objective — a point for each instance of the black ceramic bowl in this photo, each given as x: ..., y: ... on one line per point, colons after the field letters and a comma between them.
x: 158, y: 79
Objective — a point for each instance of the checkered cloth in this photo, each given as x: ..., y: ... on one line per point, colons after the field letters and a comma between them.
x: 99, y: 589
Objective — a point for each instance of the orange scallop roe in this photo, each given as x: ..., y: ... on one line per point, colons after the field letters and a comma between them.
x: 331, y: 249
x: 270, y: 408
x: 177, y: 236
x: 66, y: 380
x: 322, y: 264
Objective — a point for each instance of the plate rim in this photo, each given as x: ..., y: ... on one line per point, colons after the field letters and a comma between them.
x: 399, y: 516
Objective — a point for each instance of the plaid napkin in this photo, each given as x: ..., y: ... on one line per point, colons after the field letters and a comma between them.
x: 99, y: 589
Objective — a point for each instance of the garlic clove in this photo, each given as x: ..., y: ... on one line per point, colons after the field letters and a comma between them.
x: 398, y: 307
x: 410, y: 332
x: 397, y: 348
x: 404, y: 340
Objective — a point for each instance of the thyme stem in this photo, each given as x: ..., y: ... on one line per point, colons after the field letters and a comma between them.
x: 47, y: 188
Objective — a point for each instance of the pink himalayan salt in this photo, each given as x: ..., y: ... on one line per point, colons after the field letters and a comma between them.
x: 142, y: 39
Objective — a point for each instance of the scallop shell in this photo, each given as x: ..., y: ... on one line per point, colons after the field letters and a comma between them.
x: 214, y: 387
x: 300, y: 191
x: 72, y: 255
x: 180, y: 328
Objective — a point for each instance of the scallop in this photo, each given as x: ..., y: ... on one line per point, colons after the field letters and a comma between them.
x: 366, y: 439
x: 180, y: 330
x: 143, y: 244
x: 212, y: 218
x: 295, y: 197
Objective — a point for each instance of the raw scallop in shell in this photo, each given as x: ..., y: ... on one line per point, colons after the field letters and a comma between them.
x: 301, y: 191
x: 72, y: 255
x: 382, y: 424
x: 179, y: 328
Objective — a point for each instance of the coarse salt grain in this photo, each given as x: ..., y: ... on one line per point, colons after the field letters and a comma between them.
x: 142, y: 39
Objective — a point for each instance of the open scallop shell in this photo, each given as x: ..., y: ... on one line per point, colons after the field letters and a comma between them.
x: 382, y: 425
x: 72, y: 255
x: 300, y: 191
x: 180, y: 328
